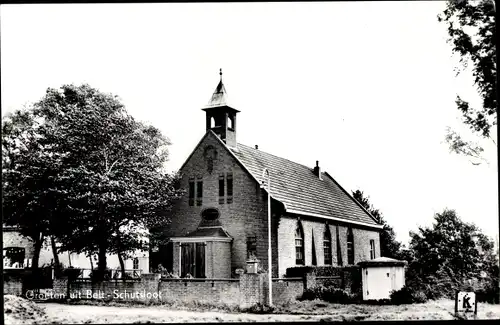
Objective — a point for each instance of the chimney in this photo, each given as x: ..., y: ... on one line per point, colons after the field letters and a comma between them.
x: 256, y: 146
x: 317, y: 170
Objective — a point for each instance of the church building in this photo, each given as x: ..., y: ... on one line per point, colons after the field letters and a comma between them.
x: 222, y: 220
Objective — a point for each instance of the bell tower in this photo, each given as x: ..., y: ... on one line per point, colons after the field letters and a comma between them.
x: 220, y: 117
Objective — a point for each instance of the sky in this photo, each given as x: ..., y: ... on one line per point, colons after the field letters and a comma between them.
x: 366, y: 88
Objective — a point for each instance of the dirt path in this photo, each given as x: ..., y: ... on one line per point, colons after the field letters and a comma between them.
x: 62, y: 313
x: 22, y: 311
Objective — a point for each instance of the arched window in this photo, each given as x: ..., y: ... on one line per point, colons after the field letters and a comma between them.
x: 212, y: 122
x: 327, y: 245
x: 299, y: 245
x: 350, y: 247
x: 230, y: 122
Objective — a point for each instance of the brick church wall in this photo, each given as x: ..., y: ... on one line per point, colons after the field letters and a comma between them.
x: 286, y: 238
x: 246, y: 216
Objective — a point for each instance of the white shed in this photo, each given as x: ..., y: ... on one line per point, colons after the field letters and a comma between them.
x: 380, y: 276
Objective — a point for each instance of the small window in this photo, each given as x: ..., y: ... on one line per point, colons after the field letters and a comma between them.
x: 212, y: 122
x: 327, y: 246
x: 230, y: 123
x: 191, y: 191
x: 14, y: 257
x: 299, y: 245
x: 229, y: 188
x: 135, y: 264
x: 199, y: 192
x: 372, y: 249
x: 221, y: 189
x: 350, y: 247
x: 251, y: 246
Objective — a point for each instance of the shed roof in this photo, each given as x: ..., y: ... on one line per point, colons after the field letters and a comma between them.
x: 382, y: 261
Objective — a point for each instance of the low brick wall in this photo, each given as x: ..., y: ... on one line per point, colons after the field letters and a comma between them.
x: 248, y: 290
x: 13, y: 286
x: 287, y: 289
x: 129, y: 290
x: 226, y: 291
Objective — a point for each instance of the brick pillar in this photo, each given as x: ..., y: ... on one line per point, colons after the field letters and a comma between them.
x: 60, y: 287
x: 151, y: 282
x: 309, y: 280
x: 252, y: 289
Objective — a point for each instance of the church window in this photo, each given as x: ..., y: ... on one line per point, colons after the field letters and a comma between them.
x: 191, y: 191
x: 229, y: 188
x: 251, y: 246
x: 221, y: 189
x: 372, y: 249
x: 327, y: 246
x: 230, y: 122
x: 199, y: 192
x: 299, y: 245
x: 212, y: 122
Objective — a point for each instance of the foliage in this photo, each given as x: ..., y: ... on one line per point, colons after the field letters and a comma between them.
x: 329, y: 294
x: 72, y: 273
x: 301, y: 271
x: 471, y: 30
x: 389, y: 246
x: 450, y: 256
x: 407, y: 295
x: 29, y: 170
x: 95, y: 172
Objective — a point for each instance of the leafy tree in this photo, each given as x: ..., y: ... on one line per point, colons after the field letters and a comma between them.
x: 389, y: 246
x: 111, y: 186
x: 28, y: 173
x: 451, y: 255
x: 472, y: 34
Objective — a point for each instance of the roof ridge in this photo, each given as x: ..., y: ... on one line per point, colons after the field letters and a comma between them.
x: 270, y: 154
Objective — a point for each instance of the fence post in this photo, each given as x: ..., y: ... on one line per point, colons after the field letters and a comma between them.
x: 252, y: 289
x: 61, y: 287
x: 151, y: 285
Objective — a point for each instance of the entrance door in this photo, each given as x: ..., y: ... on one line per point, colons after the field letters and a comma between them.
x: 379, y: 283
x: 193, y: 259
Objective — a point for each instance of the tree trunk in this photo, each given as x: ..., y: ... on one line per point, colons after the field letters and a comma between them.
x: 101, y: 264
x: 37, y: 249
x: 57, y: 265
x: 122, y: 265
x: 102, y: 246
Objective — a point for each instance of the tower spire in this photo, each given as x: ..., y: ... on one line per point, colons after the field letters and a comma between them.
x: 220, y: 117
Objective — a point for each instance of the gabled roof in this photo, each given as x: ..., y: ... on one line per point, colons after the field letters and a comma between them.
x: 297, y: 187
x: 301, y: 191
x: 209, y: 232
